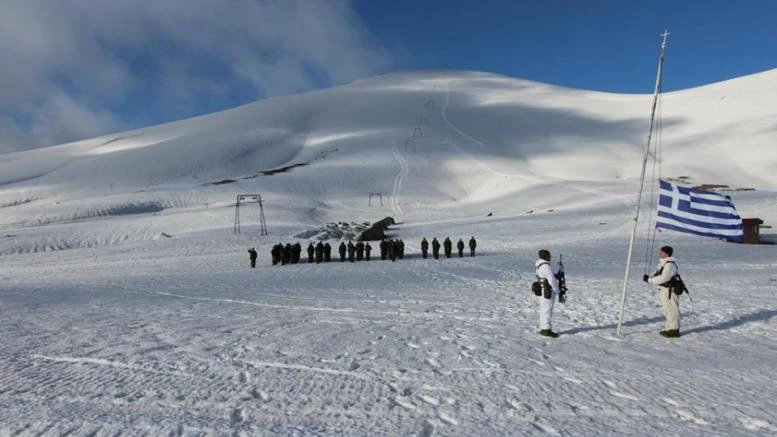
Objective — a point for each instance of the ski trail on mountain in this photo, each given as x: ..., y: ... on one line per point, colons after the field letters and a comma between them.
x: 525, y: 177
x: 444, y: 114
x: 399, y: 180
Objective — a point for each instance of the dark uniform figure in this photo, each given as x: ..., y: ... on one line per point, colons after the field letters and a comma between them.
x: 351, y: 252
x: 327, y: 252
x: 311, y: 251
x: 447, y: 247
x: 392, y: 249
x: 435, y: 248
x: 359, y: 251
x: 276, y: 254
x: 319, y: 252
x: 472, y: 245
x: 341, y: 249
x: 287, y: 253
x: 296, y: 252
x: 367, y: 249
x: 282, y: 254
x: 460, y: 246
x: 400, y: 249
x: 424, y: 247
x: 383, y: 249
x: 252, y: 257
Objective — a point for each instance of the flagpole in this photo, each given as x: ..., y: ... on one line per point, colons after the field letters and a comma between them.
x: 657, y: 88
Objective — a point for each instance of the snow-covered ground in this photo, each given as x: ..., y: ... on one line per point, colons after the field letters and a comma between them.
x: 127, y: 305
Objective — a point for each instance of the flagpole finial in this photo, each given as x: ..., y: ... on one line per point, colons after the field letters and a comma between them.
x: 663, y: 41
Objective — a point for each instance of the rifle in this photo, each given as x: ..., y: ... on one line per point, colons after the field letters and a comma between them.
x: 562, y: 281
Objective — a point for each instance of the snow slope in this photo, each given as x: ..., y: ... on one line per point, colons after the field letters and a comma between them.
x: 127, y: 304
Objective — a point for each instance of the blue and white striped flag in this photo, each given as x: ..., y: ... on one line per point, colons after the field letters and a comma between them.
x: 698, y: 212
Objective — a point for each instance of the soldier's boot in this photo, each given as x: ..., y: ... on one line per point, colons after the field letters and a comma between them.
x: 670, y: 333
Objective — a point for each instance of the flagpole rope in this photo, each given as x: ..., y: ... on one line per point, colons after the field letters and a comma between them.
x: 641, y: 183
x: 656, y: 164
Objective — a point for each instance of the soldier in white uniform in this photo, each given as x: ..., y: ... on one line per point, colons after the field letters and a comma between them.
x: 670, y: 302
x: 550, y: 292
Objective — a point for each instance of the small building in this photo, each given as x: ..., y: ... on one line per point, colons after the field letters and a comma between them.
x: 752, y: 230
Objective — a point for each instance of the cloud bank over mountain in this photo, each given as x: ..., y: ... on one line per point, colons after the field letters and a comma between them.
x: 79, y: 69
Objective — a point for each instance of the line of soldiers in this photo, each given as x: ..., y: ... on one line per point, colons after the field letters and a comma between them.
x: 389, y: 249
x: 292, y: 253
x: 317, y: 253
x: 356, y: 252
x: 392, y: 249
x: 447, y: 247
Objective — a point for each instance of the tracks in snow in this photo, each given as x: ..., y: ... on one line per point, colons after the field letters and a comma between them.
x: 442, y: 357
x: 523, y: 176
x: 399, y: 180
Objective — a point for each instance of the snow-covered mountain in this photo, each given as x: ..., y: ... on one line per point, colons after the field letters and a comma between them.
x: 419, y: 138
x: 127, y: 304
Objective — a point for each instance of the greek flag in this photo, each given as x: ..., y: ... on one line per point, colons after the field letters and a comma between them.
x: 698, y: 212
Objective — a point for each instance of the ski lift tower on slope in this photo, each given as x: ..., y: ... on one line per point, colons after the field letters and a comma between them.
x: 250, y: 198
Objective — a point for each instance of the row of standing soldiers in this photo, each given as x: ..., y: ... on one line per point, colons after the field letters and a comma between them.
x: 322, y: 252
x: 318, y: 253
x: 447, y: 247
x: 392, y: 249
x: 292, y: 253
x: 356, y: 252
x: 389, y: 249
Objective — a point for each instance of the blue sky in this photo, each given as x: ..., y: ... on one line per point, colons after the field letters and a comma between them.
x: 82, y: 68
x: 602, y: 45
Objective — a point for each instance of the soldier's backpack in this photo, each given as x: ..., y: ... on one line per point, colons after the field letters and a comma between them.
x: 675, y: 284
x: 541, y: 287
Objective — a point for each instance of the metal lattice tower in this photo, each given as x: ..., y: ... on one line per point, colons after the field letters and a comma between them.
x: 379, y: 196
x: 249, y: 198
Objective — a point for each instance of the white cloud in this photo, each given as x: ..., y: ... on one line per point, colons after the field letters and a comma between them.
x: 10, y: 135
x: 62, y: 117
x: 81, y: 68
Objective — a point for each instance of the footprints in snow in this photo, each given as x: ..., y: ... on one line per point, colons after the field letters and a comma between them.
x: 260, y: 395
x: 752, y: 424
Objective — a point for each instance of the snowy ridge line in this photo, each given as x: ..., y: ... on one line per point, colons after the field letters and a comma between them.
x: 24, y: 201
x: 81, y: 214
x: 49, y: 244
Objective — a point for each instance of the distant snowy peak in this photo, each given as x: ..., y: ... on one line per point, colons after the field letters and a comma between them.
x: 463, y: 123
